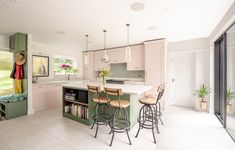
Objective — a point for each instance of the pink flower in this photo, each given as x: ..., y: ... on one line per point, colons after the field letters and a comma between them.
x: 65, y: 66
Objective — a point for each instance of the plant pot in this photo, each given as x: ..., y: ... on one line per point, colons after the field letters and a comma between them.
x: 203, y: 105
x: 229, y: 106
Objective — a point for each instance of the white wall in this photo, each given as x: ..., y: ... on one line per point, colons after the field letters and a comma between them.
x: 4, y: 42
x: 47, y: 50
x: 200, y: 48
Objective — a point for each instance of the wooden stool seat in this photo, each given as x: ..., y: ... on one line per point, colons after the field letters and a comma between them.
x: 101, y: 100
x: 148, y: 100
x: 123, y: 103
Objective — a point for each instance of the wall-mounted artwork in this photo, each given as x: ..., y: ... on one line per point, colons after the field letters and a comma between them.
x: 40, y: 66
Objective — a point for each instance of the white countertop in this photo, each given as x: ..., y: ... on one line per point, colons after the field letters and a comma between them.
x: 127, y: 79
x: 51, y: 82
x: 126, y: 88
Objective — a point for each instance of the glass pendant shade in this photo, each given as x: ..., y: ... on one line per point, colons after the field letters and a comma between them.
x: 105, y: 58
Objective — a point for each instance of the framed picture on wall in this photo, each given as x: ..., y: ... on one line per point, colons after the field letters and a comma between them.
x: 40, y: 66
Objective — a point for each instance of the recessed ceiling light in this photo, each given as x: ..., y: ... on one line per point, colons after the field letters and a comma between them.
x: 60, y: 32
x: 152, y: 28
x: 138, y: 6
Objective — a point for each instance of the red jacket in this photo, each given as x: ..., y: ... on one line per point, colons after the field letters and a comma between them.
x: 19, y: 73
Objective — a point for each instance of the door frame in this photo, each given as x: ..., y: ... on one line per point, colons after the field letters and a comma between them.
x: 217, y: 80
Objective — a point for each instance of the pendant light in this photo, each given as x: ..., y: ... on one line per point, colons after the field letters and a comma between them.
x: 128, y: 49
x: 105, y: 57
x: 86, y: 59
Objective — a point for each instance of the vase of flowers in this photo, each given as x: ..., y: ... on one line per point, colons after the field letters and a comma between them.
x: 230, y: 97
x: 66, y: 67
x: 104, y: 74
x: 201, y: 93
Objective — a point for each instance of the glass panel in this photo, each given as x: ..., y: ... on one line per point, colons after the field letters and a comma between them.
x: 57, y: 62
x: 231, y: 81
x: 6, y: 63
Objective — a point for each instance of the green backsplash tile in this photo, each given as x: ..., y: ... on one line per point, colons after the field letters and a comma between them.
x: 120, y: 71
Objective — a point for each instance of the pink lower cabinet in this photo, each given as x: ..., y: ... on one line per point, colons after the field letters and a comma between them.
x: 38, y: 97
x: 53, y: 96
x: 155, y: 62
x: 46, y: 96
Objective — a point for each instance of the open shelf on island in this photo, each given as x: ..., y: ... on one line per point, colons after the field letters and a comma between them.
x: 76, y: 102
x: 76, y: 105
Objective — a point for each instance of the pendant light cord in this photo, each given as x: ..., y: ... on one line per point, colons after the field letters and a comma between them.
x: 128, y: 25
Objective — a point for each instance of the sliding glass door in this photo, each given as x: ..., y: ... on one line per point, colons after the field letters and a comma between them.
x: 230, y: 95
x: 220, y: 78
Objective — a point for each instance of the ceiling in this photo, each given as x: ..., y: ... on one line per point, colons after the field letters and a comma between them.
x: 64, y: 23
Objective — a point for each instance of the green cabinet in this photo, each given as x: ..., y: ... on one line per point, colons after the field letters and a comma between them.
x: 13, y: 109
x: 18, y: 42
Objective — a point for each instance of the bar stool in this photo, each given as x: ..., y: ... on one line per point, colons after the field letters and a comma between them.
x: 148, y: 114
x: 101, y: 115
x: 119, y: 122
x: 158, y: 104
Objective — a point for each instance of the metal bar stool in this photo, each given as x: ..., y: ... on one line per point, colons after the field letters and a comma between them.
x: 119, y: 122
x: 148, y: 113
x: 101, y: 115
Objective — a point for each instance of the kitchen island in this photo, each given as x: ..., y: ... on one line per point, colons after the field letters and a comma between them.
x: 78, y: 104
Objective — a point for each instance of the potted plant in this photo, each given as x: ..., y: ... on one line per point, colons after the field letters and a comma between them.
x: 230, y: 97
x: 201, y: 93
x: 66, y: 67
x: 104, y: 74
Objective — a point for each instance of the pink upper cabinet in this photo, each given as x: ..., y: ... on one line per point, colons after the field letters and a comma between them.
x: 136, y: 58
x: 98, y: 63
x: 117, y: 55
x: 155, y: 57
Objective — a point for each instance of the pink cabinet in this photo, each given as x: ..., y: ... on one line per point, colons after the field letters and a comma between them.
x: 88, y: 68
x: 136, y: 59
x: 53, y: 96
x: 38, y: 97
x: 46, y: 96
x: 155, y: 62
x: 98, y: 63
x: 117, y: 55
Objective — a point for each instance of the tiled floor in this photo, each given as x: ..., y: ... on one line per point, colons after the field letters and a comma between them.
x: 184, y: 129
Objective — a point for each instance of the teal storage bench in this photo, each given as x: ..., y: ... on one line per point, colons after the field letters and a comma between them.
x: 12, y: 106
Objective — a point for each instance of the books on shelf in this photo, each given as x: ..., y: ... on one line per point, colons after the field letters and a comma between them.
x: 77, y: 110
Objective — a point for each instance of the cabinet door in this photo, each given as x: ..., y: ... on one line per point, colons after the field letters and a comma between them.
x: 38, y: 95
x: 18, y: 42
x: 137, y: 58
x: 98, y: 63
x: 53, y: 95
x: 117, y: 55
